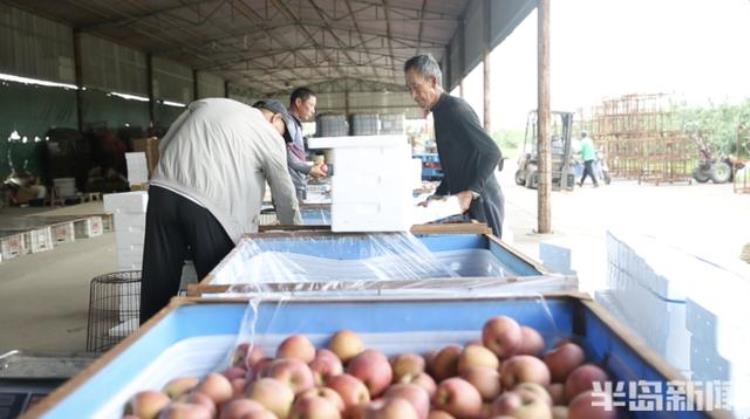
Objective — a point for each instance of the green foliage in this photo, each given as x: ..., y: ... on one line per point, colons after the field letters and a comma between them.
x: 717, y: 123
x: 509, y: 140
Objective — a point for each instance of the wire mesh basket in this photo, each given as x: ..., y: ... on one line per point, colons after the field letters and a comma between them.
x: 114, y: 309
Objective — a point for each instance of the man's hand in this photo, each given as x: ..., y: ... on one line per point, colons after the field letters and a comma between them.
x: 464, y: 199
x: 319, y: 171
x: 431, y: 198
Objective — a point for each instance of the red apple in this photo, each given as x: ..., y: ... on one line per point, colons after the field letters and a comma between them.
x: 582, y: 379
x: 557, y: 393
x: 523, y: 404
x: 351, y: 389
x: 325, y: 364
x: 524, y: 369
x: 477, y: 356
x: 439, y: 414
x: 234, y: 372
x: 373, y: 368
x: 423, y: 380
x: 582, y: 406
x: 196, y: 397
x: 292, y: 372
x: 327, y: 393
x: 297, y: 347
x: 260, y: 414
x: 559, y: 412
x: 458, y: 397
x: 147, y: 404
x: 390, y: 408
x: 533, y: 390
x: 532, y: 342
x: 412, y: 393
x: 486, y: 380
x: 259, y: 369
x: 273, y: 395
x: 445, y: 363
x: 346, y: 345
x: 217, y: 387
x: 563, y: 359
x: 237, y: 409
x: 246, y: 355
x: 313, y: 407
x: 502, y: 335
x: 410, y: 364
x: 238, y: 387
x: 179, y: 386
x: 182, y: 410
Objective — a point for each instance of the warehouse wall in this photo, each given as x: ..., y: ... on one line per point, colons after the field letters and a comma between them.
x: 368, y: 102
x: 209, y: 85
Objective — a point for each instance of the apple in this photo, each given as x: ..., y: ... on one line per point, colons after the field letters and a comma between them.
x: 458, y: 397
x: 477, y: 356
x: 390, y: 408
x: 532, y: 342
x: 314, y: 407
x: 582, y: 379
x: 325, y: 365
x: 234, y: 372
x: 373, y: 368
x: 273, y: 395
x: 582, y: 406
x: 439, y: 414
x: 182, y: 410
x: 563, y: 359
x: 215, y: 386
x: 327, y: 393
x: 292, y: 372
x: 559, y: 412
x: 533, y: 390
x: 351, y: 389
x: 297, y: 347
x: 412, y: 393
x: 260, y: 414
x: 486, y: 380
x: 557, y: 393
x: 179, y: 386
x: 147, y: 404
x: 196, y: 397
x: 346, y: 345
x: 246, y: 355
x: 409, y: 364
x: 423, y: 380
x: 524, y: 369
x: 502, y: 335
x: 237, y: 409
x: 238, y: 387
x: 445, y: 363
x: 522, y: 405
x: 257, y: 370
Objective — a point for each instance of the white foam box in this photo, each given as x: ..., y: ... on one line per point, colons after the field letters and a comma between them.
x: 356, y: 187
x: 39, y: 240
x: 89, y: 227
x: 137, y: 168
x: 370, y: 217
x: 13, y: 245
x: 130, y: 222
x: 126, y: 202
x: 63, y: 232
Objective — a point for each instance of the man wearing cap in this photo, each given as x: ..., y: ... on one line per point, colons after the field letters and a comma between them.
x: 208, y: 188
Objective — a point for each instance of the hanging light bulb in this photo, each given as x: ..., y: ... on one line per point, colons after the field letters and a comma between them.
x: 14, y: 136
x: 37, y: 139
x: 25, y: 139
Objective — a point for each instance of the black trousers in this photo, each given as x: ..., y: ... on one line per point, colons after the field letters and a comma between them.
x: 176, y: 227
x: 489, y: 208
x: 588, y: 170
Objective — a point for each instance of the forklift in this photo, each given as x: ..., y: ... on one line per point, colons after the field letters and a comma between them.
x: 563, y: 173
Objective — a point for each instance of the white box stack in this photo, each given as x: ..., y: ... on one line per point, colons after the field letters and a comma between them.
x: 129, y: 211
x: 371, y: 187
x: 137, y: 168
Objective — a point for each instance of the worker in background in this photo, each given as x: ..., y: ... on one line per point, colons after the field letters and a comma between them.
x: 301, y: 108
x: 588, y: 154
x: 208, y: 187
x: 468, y: 155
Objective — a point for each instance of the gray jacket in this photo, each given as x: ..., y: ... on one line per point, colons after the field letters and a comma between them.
x: 298, y: 168
x: 219, y: 153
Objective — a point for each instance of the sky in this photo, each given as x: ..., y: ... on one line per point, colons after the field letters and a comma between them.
x: 695, y: 50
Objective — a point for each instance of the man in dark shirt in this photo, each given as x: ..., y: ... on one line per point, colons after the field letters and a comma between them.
x: 468, y: 155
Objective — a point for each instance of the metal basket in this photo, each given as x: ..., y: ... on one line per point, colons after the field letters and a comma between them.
x: 114, y: 309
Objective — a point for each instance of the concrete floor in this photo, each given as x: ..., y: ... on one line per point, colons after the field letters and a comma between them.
x: 44, y: 297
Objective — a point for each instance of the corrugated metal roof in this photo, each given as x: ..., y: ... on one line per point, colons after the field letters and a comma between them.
x: 270, y: 45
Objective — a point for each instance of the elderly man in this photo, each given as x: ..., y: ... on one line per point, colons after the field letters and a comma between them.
x: 208, y: 188
x: 301, y: 108
x: 468, y: 155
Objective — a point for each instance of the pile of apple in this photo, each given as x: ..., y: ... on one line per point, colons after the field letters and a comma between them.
x: 503, y: 376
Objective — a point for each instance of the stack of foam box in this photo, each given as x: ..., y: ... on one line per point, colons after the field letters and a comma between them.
x: 392, y: 124
x: 370, y: 190
x: 129, y: 210
x: 137, y: 168
x: 692, y: 311
x: 365, y: 124
x: 331, y: 125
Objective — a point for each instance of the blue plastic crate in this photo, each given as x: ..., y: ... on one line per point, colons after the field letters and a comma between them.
x: 105, y: 386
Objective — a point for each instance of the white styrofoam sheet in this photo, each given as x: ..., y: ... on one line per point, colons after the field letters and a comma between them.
x: 129, y: 202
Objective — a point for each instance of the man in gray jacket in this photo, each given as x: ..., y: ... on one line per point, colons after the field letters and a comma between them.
x: 208, y: 188
x: 301, y: 108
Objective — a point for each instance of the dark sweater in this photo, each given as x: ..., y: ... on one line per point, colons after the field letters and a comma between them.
x: 468, y: 155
